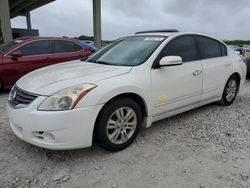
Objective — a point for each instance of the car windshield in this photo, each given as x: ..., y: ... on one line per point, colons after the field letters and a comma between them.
x: 9, y: 45
x: 129, y: 51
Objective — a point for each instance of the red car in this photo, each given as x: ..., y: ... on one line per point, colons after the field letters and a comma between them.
x: 24, y: 55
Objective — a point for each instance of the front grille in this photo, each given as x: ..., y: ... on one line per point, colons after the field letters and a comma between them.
x: 19, y: 98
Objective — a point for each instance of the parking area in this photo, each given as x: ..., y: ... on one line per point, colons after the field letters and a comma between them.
x: 205, y: 147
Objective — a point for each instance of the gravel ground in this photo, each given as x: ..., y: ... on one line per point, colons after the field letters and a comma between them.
x: 204, y: 148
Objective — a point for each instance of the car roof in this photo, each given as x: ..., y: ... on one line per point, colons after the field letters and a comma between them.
x: 162, y: 32
x: 168, y: 33
x: 165, y: 34
x: 23, y: 40
x: 26, y: 39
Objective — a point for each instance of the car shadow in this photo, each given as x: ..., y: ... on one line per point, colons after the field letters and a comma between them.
x: 5, y: 92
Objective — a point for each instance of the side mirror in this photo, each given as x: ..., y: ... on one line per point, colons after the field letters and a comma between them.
x: 171, y: 60
x: 17, y: 54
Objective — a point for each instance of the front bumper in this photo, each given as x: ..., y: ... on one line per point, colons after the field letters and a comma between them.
x: 54, y: 130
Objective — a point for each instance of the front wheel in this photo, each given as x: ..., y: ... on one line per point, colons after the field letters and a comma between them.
x: 118, y: 124
x: 230, y: 91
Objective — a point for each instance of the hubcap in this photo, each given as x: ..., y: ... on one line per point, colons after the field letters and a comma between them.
x: 121, y: 125
x: 231, y: 90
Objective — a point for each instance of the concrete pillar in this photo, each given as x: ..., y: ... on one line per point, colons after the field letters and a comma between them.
x: 5, y: 20
x: 28, y: 21
x: 97, y: 23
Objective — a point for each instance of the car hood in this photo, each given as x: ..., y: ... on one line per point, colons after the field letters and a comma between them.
x: 49, y: 80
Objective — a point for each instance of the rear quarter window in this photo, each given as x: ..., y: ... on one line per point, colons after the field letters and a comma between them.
x: 223, y: 49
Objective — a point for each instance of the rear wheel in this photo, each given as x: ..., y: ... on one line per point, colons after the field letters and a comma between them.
x: 230, y: 91
x: 118, y: 124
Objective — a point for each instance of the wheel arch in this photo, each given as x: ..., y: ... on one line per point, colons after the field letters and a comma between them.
x: 134, y: 96
x: 233, y: 74
x: 237, y: 75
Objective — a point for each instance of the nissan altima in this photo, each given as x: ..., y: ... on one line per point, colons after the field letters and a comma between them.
x: 130, y: 84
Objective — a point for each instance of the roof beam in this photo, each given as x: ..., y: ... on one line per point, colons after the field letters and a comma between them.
x: 15, y: 3
x: 24, y: 5
x: 38, y: 4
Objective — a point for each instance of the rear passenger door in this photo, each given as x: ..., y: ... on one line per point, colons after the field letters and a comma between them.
x: 216, y: 66
x: 65, y: 50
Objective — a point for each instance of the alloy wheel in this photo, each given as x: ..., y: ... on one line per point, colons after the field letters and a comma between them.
x: 121, y: 125
x: 231, y: 90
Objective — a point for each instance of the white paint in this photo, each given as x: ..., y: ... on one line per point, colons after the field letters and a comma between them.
x: 166, y: 91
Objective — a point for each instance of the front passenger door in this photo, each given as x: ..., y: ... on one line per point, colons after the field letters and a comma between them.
x: 180, y: 86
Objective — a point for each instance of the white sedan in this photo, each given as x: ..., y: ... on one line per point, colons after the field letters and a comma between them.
x: 130, y: 84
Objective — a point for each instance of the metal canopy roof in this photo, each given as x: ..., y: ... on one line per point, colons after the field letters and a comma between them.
x: 22, y: 7
x: 13, y: 8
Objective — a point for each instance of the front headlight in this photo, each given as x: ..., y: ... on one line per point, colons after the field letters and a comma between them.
x: 66, y: 99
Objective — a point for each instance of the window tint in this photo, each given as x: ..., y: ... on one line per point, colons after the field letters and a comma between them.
x: 78, y: 47
x: 61, y: 46
x: 209, y: 48
x: 182, y: 46
x: 223, y: 49
x: 36, y: 48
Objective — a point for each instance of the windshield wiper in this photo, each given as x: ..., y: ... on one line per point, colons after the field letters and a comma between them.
x: 103, y: 62
x: 84, y: 58
x: 99, y: 62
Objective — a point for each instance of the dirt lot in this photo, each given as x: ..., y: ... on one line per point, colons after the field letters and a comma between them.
x: 204, y: 148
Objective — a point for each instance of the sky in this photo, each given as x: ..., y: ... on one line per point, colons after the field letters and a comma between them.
x: 224, y: 19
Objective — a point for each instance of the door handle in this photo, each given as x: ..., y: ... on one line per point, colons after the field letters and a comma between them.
x: 197, y: 72
x: 227, y: 64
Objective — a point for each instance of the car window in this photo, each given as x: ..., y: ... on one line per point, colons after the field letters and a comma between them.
x: 61, y: 46
x: 183, y: 46
x: 223, y: 49
x: 9, y: 45
x: 78, y: 47
x: 129, y: 51
x: 40, y: 47
x: 209, y: 48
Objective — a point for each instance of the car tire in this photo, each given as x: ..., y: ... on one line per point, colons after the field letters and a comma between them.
x: 230, y: 91
x: 248, y: 69
x: 118, y: 124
